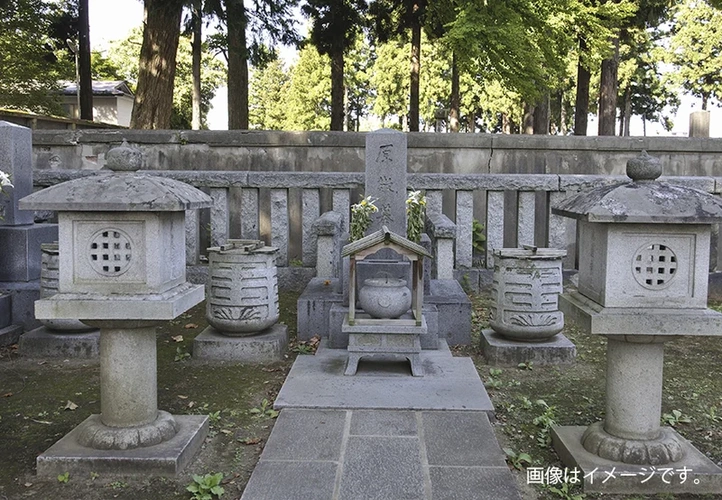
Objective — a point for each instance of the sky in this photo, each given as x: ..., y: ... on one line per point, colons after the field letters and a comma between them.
x: 112, y: 20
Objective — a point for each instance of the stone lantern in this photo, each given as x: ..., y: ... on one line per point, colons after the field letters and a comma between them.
x: 643, y: 271
x: 122, y: 269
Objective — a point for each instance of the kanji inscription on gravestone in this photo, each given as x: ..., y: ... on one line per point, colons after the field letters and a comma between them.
x: 386, y: 178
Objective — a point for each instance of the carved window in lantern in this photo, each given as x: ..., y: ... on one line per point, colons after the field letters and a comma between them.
x: 110, y: 252
x: 654, y: 266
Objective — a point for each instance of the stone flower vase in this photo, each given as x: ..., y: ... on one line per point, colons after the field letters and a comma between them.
x: 242, y: 291
x: 525, y: 293
x: 386, y: 298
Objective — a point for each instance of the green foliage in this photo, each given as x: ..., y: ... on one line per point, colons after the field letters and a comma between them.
x: 674, y: 418
x: 308, y: 103
x: 361, y: 217
x: 206, y: 487
x: 415, y: 215
x: 30, y: 66
x: 181, y: 354
x: 544, y: 421
x: 265, y: 410
x: 526, y: 366
x: 266, y: 101
x: 695, y: 49
x: 478, y: 238
x: 493, y: 381
x: 390, y: 80
x: 517, y: 459
x: 712, y: 415
x: 64, y: 477
x: 565, y: 491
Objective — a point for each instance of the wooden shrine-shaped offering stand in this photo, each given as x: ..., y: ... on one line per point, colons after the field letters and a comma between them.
x: 392, y: 320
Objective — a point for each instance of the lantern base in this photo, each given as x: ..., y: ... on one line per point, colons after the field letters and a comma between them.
x: 166, y: 459
x: 45, y: 343
x: 266, y: 346
x: 500, y: 351
x: 694, y: 473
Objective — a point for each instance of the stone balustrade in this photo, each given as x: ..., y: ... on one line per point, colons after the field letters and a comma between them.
x: 282, y: 207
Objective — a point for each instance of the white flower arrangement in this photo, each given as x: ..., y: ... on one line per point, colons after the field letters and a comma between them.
x: 361, y: 217
x: 4, y: 180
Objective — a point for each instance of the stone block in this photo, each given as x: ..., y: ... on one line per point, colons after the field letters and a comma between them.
x: 601, y: 475
x: 44, y: 343
x: 386, y: 178
x: 268, y: 346
x: 473, y: 483
x: 296, y: 434
x: 10, y: 335
x: 392, y: 462
x: 16, y: 160
x: 292, y: 480
x: 23, y: 295
x: 383, y: 423
x: 5, y: 309
x: 461, y: 439
x: 314, y: 308
x: 454, y: 311
x: 165, y: 459
x: 500, y: 351
x: 20, y: 250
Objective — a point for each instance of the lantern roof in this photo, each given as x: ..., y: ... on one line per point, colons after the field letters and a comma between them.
x: 642, y: 199
x: 121, y: 189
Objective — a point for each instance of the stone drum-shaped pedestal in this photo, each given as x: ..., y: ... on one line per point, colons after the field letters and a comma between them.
x: 525, y: 293
x: 242, y: 296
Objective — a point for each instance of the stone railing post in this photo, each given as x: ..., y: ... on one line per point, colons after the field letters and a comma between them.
x: 327, y: 230
x: 442, y: 233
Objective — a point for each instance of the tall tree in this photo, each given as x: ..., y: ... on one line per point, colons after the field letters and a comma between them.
x: 196, y: 45
x: 308, y: 103
x: 86, y: 82
x: 404, y: 19
x: 268, y: 93
x: 237, y: 65
x: 335, y: 25
x: 696, y: 50
x: 157, y: 65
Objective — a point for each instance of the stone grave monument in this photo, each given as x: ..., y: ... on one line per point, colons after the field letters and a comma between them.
x: 67, y: 338
x: 20, y: 237
x: 122, y: 270
x: 385, y: 327
x: 324, y: 303
x: 643, y: 271
x: 525, y: 319
x: 242, y: 305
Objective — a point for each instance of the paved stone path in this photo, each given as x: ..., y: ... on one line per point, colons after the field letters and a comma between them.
x: 347, y: 446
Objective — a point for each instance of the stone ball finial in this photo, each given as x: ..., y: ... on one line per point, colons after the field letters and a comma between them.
x: 644, y: 167
x: 124, y: 158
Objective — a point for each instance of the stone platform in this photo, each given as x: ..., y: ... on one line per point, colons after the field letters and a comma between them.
x: 382, y: 434
x: 165, y: 459
x: 500, y: 351
x: 43, y: 343
x: 600, y: 475
x: 265, y: 347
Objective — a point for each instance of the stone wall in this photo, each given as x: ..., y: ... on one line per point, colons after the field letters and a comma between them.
x: 344, y: 152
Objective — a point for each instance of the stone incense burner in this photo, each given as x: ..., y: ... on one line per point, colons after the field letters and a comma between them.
x: 387, y: 298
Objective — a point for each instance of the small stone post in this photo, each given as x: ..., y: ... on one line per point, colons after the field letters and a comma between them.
x: 699, y: 124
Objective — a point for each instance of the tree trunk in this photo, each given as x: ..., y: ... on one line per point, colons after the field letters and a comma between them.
x: 705, y: 98
x: 237, y: 66
x: 196, y: 47
x: 562, y: 128
x: 608, y: 89
x: 541, y: 116
x: 581, y: 105
x: 627, y: 112
x: 156, y: 69
x: 337, y: 90
x: 415, y: 68
x: 86, y: 80
x: 454, y: 112
x: 528, y: 119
